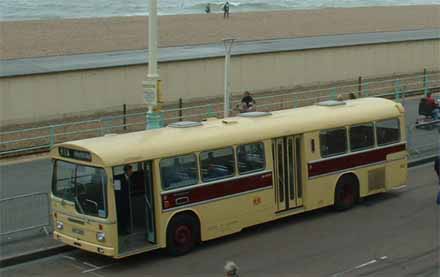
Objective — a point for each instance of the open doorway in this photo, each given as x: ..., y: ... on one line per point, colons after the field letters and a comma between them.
x: 133, y: 185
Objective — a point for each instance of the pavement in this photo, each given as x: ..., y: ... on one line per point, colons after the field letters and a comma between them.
x: 28, y: 66
x: 391, y: 234
x: 35, y: 175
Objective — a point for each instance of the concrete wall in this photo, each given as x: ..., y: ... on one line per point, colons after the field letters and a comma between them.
x: 45, y: 96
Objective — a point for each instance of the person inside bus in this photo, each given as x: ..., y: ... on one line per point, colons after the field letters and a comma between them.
x: 123, y: 200
x: 430, y: 101
x: 247, y: 103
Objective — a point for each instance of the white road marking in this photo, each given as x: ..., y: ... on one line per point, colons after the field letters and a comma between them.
x: 96, y: 274
x: 69, y: 258
x: 96, y: 268
x: 366, y: 264
x: 359, y: 266
x: 91, y: 265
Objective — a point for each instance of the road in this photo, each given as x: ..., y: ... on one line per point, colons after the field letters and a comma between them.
x: 393, y: 234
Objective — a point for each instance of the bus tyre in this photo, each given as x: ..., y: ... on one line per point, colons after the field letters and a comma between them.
x: 346, y: 193
x: 181, y: 235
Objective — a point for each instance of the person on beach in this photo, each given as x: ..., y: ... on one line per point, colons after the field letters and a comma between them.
x: 208, y: 8
x: 226, y: 10
x: 247, y: 103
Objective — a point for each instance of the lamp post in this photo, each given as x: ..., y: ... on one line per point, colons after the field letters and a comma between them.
x: 228, y: 47
x: 151, y: 85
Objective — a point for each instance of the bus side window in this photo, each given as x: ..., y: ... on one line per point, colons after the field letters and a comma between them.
x: 388, y: 131
x: 180, y: 171
x: 361, y: 136
x: 250, y: 158
x: 217, y: 164
x: 333, y: 142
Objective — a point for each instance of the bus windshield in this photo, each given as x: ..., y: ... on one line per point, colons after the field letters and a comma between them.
x: 82, y: 185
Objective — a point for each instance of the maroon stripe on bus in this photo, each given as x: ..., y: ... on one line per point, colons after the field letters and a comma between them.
x: 354, y: 160
x: 221, y: 189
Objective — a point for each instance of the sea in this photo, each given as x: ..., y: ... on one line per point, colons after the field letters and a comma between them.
x: 12, y: 10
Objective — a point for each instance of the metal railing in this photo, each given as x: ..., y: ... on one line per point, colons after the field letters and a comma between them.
x: 25, y: 212
x: 30, y: 140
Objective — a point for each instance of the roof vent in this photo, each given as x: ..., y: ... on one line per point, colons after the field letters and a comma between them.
x: 185, y: 124
x: 255, y: 114
x: 331, y: 103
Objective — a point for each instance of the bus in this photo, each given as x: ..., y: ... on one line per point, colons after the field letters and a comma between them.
x: 178, y: 186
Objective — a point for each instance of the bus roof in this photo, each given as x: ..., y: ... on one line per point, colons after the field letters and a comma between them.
x: 146, y: 145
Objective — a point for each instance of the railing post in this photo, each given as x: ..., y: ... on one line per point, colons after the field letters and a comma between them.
x: 360, y: 86
x: 211, y: 112
x: 180, y: 108
x: 397, y: 90
x: 425, y: 82
x: 124, y: 119
x: 365, y: 89
x: 51, y: 136
x: 333, y: 95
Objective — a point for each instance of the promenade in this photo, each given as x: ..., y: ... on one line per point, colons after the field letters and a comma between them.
x: 30, y: 66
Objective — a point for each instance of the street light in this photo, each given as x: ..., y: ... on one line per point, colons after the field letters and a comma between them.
x: 151, y: 85
x: 228, y: 47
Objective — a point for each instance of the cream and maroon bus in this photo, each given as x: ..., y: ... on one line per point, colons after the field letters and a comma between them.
x: 190, y: 182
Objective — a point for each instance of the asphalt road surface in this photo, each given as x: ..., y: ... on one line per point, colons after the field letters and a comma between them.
x: 392, y: 234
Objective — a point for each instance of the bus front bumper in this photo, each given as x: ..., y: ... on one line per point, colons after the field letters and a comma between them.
x: 87, y: 246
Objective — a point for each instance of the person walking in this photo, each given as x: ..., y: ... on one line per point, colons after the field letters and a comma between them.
x: 208, y: 8
x: 231, y: 269
x: 226, y: 10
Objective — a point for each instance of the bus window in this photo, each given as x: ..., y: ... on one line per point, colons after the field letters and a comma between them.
x: 180, y: 171
x: 333, y: 142
x: 83, y: 185
x: 250, y: 157
x: 387, y: 131
x: 361, y: 136
x: 217, y: 164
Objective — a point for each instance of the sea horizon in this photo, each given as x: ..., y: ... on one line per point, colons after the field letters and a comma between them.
x: 19, y: 10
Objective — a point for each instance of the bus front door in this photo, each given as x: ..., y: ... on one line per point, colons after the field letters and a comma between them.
x: 149, y: 203
x: 135, y: 205
x: 287, y: 167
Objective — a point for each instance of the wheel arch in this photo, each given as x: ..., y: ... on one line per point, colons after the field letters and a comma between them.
x: 187, y: 212
x: 351, y: 175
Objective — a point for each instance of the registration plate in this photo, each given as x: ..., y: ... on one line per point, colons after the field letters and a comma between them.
x: 78, y: 231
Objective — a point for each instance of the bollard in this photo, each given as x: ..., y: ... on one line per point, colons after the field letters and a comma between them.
x: 51, y: 136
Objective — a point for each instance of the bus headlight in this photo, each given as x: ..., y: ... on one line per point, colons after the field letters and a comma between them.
x: 100, y: 236
x: 60, y: 225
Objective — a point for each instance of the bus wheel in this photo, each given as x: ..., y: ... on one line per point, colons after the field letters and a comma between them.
x: 181, y: 235
x: 346, y: 193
